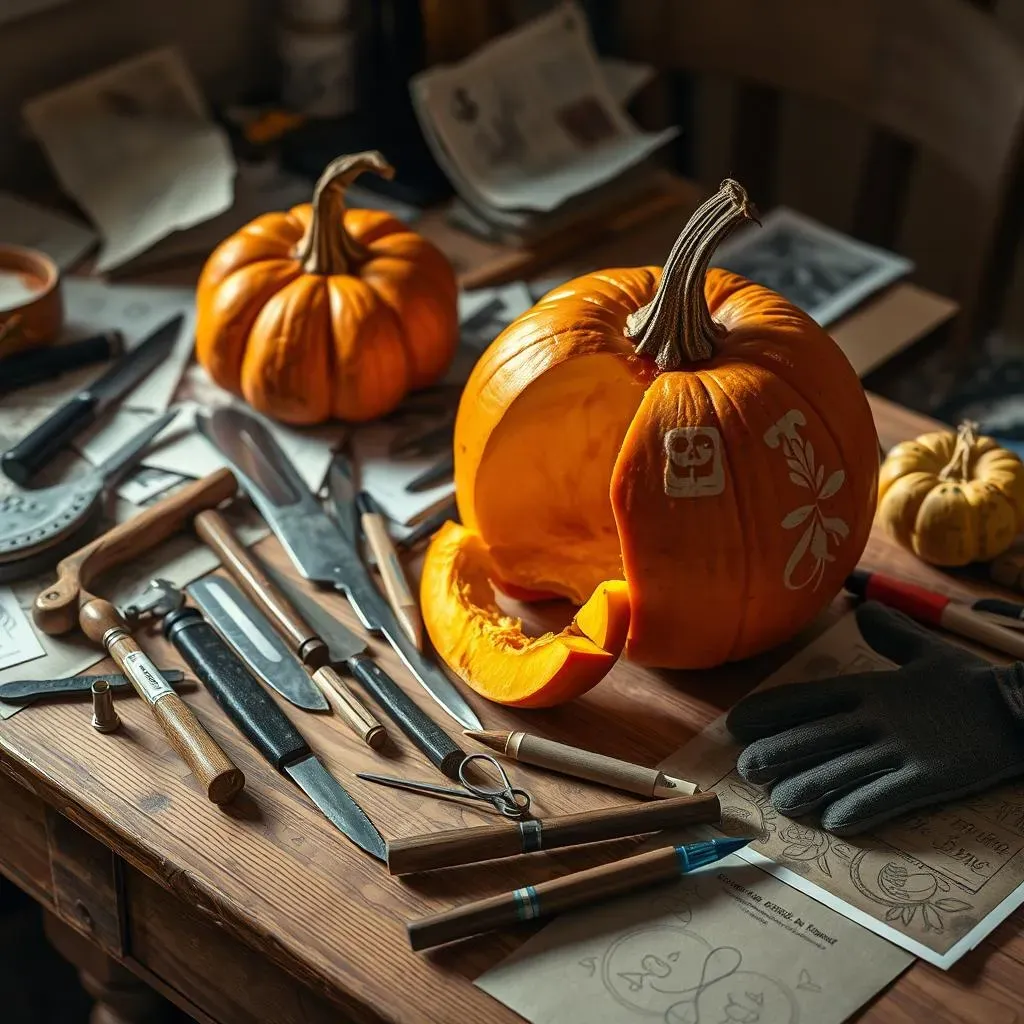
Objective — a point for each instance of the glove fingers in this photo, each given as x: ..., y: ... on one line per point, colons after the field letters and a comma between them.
x: 808, y: 790
x: 792, y: 751
x: 878, y: 800
x: 894, y: 635
x: 771, y: 711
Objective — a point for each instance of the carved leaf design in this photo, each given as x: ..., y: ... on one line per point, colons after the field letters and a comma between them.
x: 932, y: 918
x: 818, y: 477
x: 823, y: 865
x: 797, y: 467
x: 832, y: 484
x: 798, y: 480
x: 797, y: 516
x: 952, y: 906
x: 835, y: 525
x: 893, y: 912
x: 809, y: 455
x: 819, y: 543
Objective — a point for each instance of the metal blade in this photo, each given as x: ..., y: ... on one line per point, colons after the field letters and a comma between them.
x: 247, y: 630
x: 369, y: 604
x: 338, y: 807
x: 133, y: 448
x: 315, y: 543
x: 341, y: 641
x: 342, y: 491
x: 137, y: 362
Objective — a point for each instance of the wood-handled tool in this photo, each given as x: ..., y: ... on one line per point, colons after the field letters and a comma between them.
x: 254, y: 712
x: 396, y: 586
x: 59, y: 607
x: 574, y: 890
x: 582, y: 764
x: 487, y: 842
x: 215, y: 532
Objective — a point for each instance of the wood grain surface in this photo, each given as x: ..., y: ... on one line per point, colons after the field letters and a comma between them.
x: 274, y: 875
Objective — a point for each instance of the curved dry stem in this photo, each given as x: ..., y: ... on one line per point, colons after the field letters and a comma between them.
x: 327, y: 248
x: 959, y: 466
x: 676, y: 327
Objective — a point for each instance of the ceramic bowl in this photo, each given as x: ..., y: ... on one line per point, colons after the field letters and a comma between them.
x: 31, y: 305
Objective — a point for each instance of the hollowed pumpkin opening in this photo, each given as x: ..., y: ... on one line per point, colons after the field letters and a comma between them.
x: 490, y: 650
x: 549, y: 463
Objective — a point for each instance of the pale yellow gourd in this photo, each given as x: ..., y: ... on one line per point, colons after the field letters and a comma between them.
x: 952, y: 498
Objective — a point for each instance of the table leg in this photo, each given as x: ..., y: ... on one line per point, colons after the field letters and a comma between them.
x: 120, y: 997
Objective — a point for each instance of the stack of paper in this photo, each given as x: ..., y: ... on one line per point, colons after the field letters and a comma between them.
x: 530, y: 133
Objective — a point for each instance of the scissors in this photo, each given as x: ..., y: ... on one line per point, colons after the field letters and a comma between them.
x: 506, y: 798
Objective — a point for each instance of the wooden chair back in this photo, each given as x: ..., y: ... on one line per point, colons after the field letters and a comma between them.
x: 934, y: 82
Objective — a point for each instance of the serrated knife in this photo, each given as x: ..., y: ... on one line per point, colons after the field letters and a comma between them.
x: 320, y: 550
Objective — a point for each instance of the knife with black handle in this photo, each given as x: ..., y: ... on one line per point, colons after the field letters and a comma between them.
x: 300, y: 626
x: 33, y: 452
x: 23, y: 369
x: 265, y: 725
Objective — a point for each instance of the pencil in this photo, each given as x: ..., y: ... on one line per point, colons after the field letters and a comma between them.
x: 396, y: 586
x: 574, y: 890
x: 583, y: 764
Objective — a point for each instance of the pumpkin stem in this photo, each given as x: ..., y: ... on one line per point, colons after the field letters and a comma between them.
x: 676, y: 326
x: 327, y: 248
x: 959, y: 465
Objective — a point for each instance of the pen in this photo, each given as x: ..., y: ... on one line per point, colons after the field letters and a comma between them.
x: 396, y: 586
x: 582, y: 764
x: 574, y: 890
x: 934, y: 609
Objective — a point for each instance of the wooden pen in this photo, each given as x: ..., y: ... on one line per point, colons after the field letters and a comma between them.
x: 583, y: 764
x: 486, y: 842
x: 396, y: 586
x: 569, y: 891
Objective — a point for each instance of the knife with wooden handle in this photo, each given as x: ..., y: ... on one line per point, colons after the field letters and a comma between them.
x: 311, y: 647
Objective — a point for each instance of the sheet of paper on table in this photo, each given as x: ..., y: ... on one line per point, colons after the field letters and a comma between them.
x: 134, y: 145
x: 180, y: 559
x: 64, y: 239
x: 935, y: 881
x: 18, y: 642
x: 528, y: 121
x: 725, y: 945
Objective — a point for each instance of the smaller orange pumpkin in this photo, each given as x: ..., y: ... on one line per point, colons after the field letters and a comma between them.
x: 324, y: 312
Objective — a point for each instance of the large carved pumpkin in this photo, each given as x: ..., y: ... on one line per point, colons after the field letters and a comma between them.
x: 324, y: 312
x: 687, y: 431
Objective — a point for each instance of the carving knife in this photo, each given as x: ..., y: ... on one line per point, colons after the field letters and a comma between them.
x: 246, y: 630
x: 33, y: 452
x: 22, y: 691
x: 320, y: 550
x: 346, y: 648
x: 266, y: 726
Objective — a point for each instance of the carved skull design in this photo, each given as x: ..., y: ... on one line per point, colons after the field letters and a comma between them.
x: 693, y: 466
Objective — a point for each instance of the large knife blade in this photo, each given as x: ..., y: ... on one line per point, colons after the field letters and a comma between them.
x: 266, y: 726
x: 33, y: 452
x: 315, y: 544
x: 246, y: 630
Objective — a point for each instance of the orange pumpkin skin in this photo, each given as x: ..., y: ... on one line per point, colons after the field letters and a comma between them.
x: 733, y: 493
x: 334, y: 316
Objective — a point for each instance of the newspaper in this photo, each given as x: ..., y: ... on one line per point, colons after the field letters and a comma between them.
x: 135, y: 147
x: 528, y: 121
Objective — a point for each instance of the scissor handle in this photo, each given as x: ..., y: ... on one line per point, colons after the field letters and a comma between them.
x: 510, y: 801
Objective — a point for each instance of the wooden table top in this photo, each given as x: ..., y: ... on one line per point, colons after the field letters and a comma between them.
x: 273, y: 872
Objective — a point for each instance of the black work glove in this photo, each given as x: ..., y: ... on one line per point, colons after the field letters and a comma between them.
x: 863, y: 748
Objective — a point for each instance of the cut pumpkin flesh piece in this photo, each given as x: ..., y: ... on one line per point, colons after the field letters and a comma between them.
x: 489, y: 650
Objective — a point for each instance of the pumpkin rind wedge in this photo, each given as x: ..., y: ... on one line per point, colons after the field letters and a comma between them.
x: 489, y: 649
